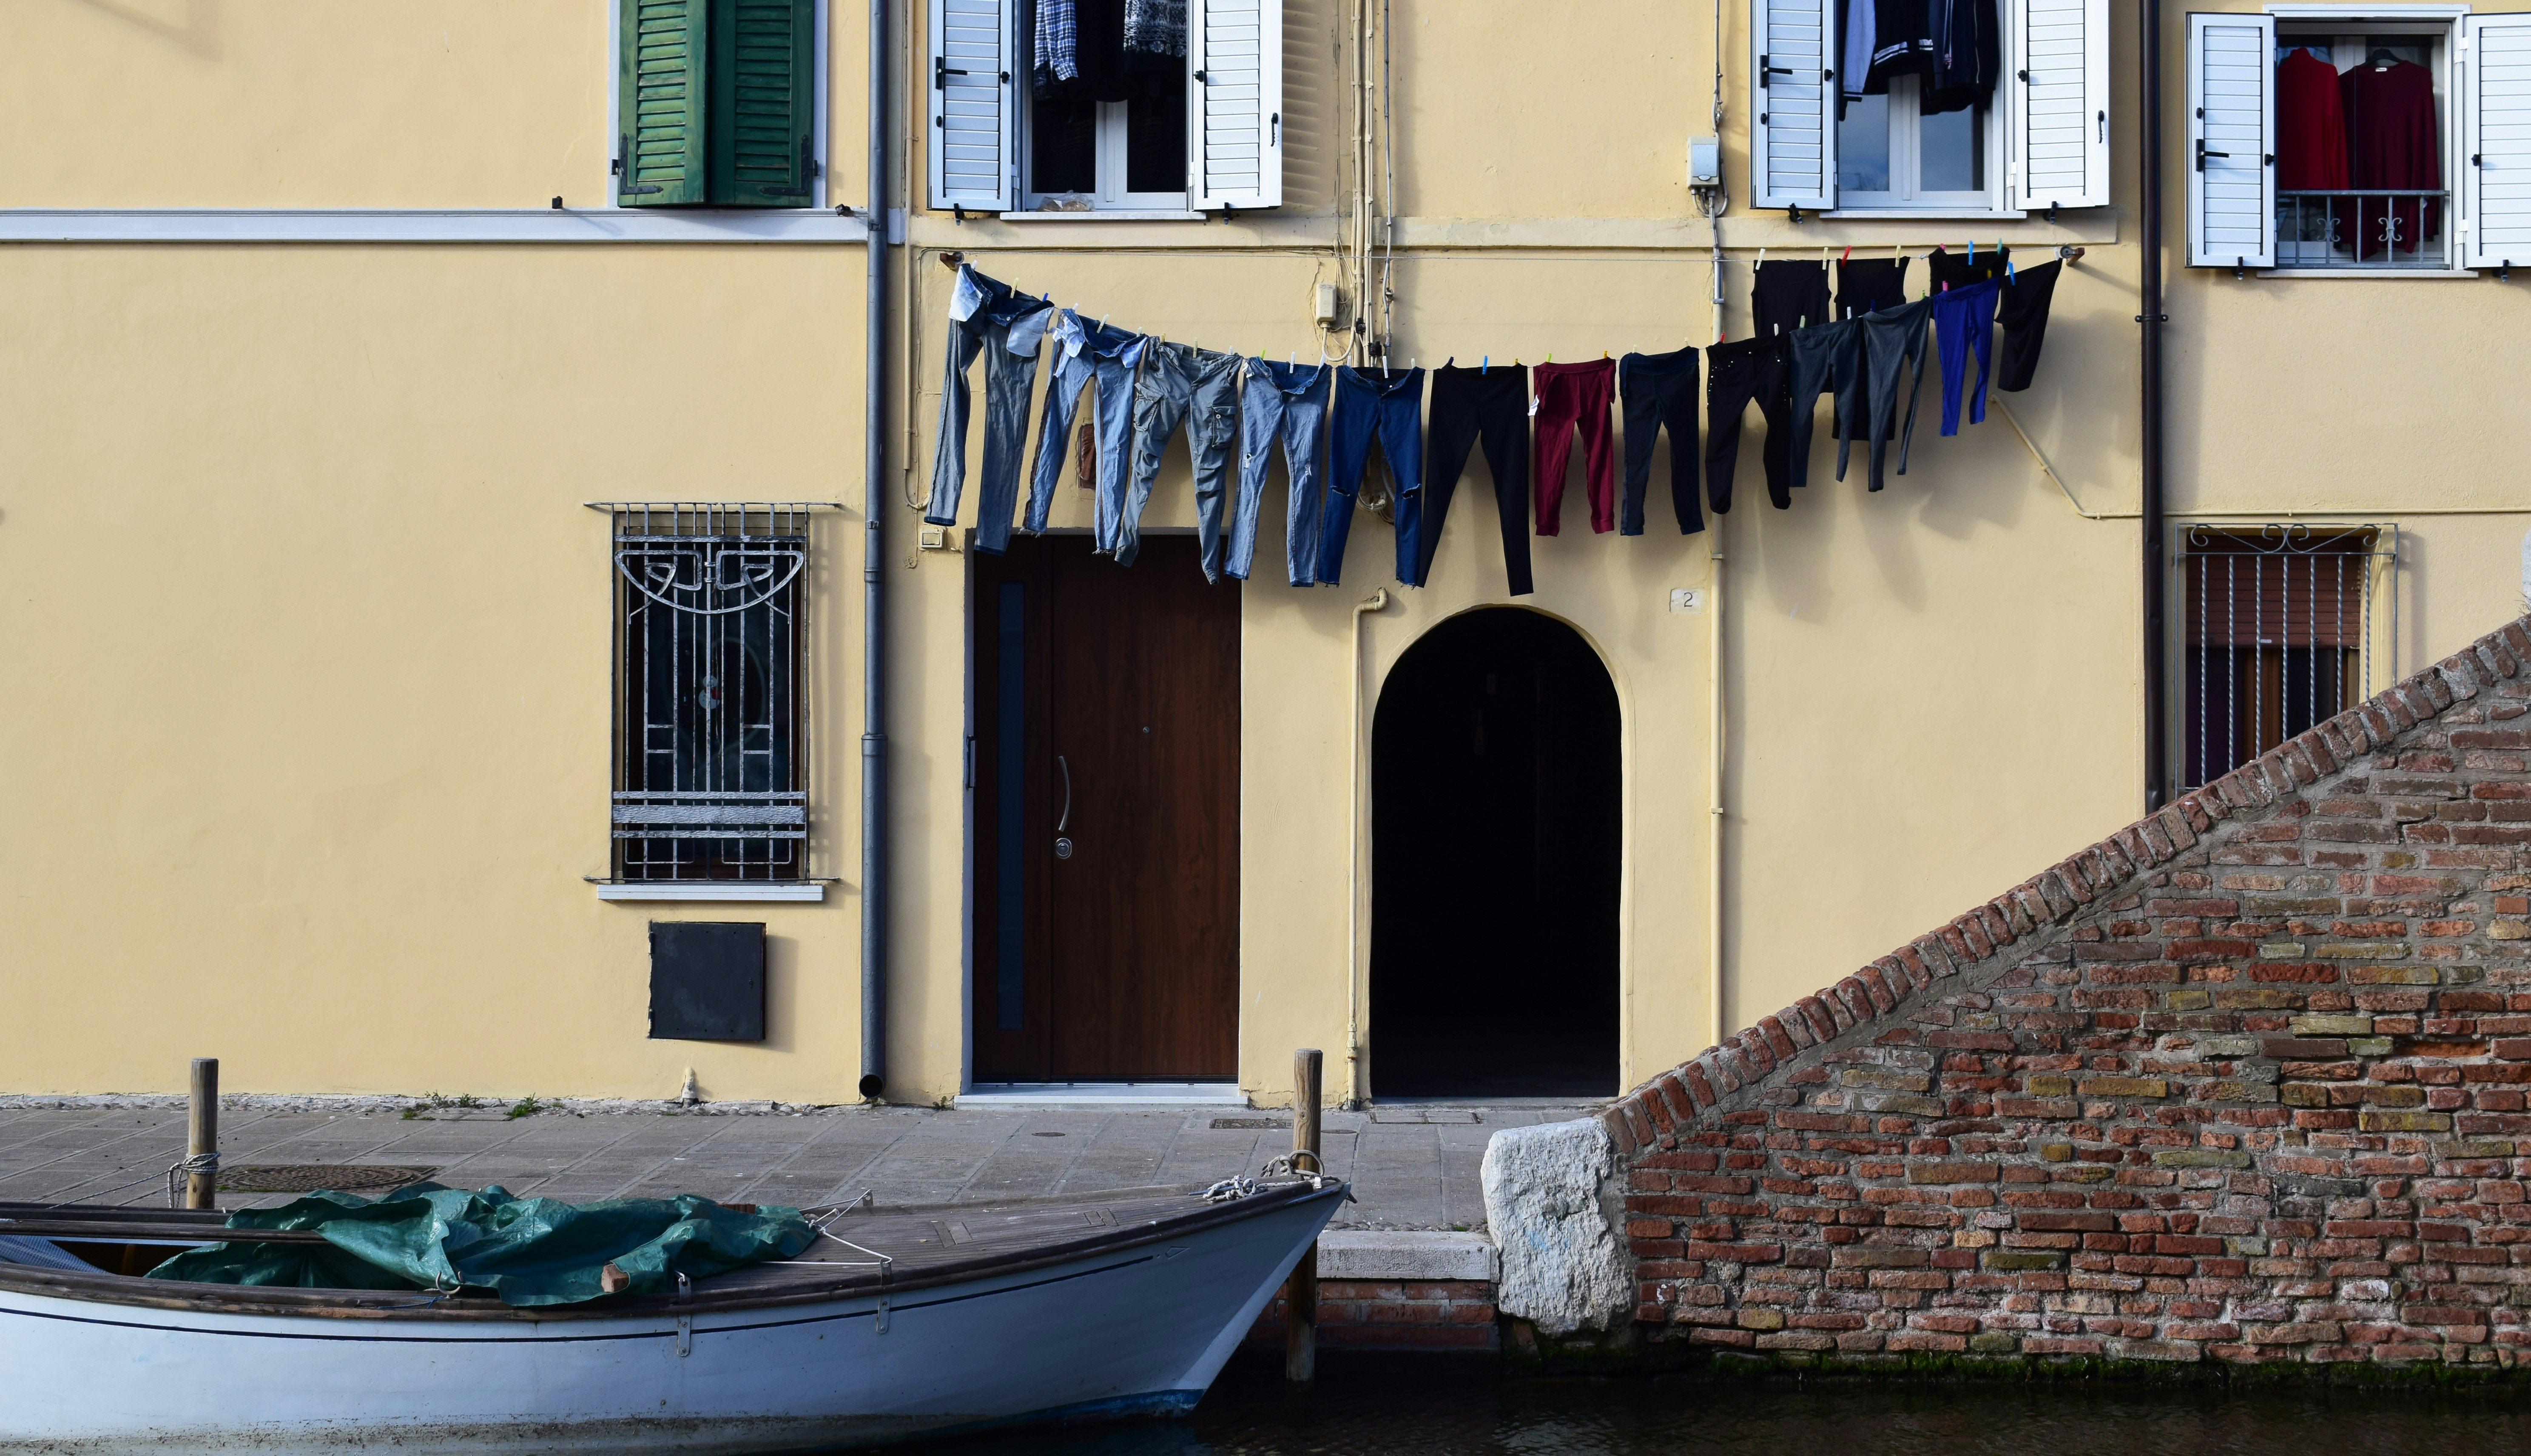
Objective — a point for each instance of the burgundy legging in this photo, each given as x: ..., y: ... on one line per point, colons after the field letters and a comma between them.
x: 1570, y: 395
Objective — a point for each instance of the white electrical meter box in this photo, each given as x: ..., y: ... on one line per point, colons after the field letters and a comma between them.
x: 1704, y: 162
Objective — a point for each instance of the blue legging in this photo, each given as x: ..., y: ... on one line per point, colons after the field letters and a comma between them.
x: 1964, y: 320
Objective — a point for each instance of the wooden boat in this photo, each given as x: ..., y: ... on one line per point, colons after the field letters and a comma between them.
x: 898, y: 1322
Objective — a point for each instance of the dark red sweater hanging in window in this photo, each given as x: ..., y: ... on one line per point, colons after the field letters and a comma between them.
x: 2393, y: 141
x: 2311, y: 127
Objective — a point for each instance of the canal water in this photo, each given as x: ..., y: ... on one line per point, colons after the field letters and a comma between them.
x: 1398, y: 1407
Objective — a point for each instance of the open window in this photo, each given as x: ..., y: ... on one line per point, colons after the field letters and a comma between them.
x: 1072, y: 106
x: 2330, y: 138
x: 2000, y: 106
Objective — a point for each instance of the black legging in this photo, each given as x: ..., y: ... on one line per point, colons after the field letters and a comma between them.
x: 1657, y: 390
x: 1737, y: 373
x: 1492, y: 402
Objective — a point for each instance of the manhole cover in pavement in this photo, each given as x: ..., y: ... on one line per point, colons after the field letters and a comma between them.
x: 1249, y: 1122
x: 309, y: 1177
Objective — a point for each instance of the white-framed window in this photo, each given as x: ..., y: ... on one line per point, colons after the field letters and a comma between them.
x: 2359, y: 139
x: 1890, y: 154
x: 1197, y: 131
x: 2038, y: 140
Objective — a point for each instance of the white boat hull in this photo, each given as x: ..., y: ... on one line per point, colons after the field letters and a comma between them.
x: 1133, y: 1330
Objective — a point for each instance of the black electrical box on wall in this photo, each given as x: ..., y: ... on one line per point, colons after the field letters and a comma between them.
x: 707, y: 980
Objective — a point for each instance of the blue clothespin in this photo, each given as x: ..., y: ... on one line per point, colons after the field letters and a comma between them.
x: 1973, y: 250
x: 1486, y: 362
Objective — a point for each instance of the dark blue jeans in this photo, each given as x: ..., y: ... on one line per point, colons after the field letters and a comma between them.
x: 1007, y: 327
x: 1387, y: 404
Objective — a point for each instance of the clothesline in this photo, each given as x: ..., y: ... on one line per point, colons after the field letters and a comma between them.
x: 1142, y: 388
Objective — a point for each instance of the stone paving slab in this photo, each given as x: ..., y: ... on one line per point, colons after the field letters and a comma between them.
x: 1412, y: 1167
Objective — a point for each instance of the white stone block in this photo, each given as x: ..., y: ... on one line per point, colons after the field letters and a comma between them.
x: 1562, y: 1268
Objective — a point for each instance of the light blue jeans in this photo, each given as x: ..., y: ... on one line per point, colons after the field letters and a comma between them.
x: 1286, y: 401
x: 990, y: 319
x: 1085, y: 353
x: 1180, y: 383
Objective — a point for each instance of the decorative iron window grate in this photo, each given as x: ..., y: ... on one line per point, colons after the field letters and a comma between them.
x: 710, y: 692
x: 2280, y: 623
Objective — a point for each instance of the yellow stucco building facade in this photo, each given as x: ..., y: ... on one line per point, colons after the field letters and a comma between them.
x: 323, y: 324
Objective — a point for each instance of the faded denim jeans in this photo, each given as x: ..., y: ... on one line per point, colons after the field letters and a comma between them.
x: 1179, y: 382
x: 1286, y: 401
x: 987, y: 318
x: 1084, y: 353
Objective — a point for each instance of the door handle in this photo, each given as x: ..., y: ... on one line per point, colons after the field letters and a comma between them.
x: 1063, y: 846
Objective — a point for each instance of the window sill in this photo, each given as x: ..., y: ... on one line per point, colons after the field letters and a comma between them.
x: 812, y: 891
x: 1919, y: 214
x: 2367, y: 272
x: 1111, y: 215
x: 430, y: 225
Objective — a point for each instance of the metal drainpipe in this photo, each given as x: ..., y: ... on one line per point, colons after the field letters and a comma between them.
x: 2157, y: 767
x: 873, y: 569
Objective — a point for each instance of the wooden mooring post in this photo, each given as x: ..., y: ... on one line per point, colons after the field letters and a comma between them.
x: 202, y: 1135
x: 1301, y: 1295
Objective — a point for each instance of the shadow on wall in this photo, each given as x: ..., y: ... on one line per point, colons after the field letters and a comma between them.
x: 1496, y: 775
x: 193, y: 25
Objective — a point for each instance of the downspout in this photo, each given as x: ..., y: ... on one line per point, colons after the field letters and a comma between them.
x: 1375, y: 602
x: 873, y: 640
x: 2157, y: 767
x: 1714, y: 772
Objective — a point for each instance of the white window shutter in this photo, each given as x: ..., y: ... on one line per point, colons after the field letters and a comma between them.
x: 2496, y: 128
x: 1792, y: 147
x: 2231, y: 141
x: 1235, y: 49
x: 2060, y: 136
x: 972, y: 106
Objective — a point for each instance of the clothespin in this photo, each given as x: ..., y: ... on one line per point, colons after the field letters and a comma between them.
x: 1972, y: 254
x: 1842, y: 257
x: 2008, y: 275
x: 1485, y: 364
x: 1604, y: 354
x: 1762, y: 258
x: 1291, y: 359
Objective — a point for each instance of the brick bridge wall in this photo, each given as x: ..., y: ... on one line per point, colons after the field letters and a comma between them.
x: 2243, y: 1082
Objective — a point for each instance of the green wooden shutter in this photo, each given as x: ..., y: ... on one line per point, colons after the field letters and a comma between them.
x: 764, y: 102
x: 659, y: 102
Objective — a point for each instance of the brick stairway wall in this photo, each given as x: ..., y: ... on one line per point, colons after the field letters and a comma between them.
x: 2243, y: 1082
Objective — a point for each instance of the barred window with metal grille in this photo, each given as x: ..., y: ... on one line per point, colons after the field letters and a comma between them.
x: 2279, y: 624
x: 710, y: 662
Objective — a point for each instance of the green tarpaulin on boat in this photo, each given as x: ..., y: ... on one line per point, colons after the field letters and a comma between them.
x: 528, y: 1251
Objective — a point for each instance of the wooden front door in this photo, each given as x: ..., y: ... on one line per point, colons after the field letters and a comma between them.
x: 1106, y: 943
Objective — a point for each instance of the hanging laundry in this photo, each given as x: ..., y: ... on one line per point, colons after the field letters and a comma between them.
x: 1967, y: 55
x: 1855, y: 32
x: 1286, y: 403
x: 1739, y: 373
x: 1864, y: 284
x: 1964, y: 324
x: 2311, y: 125
x: 2022, y: 314
x: 1893, y: 341
x: 1086, y: 354
x: 1785, y: 295
x: 1492, y: 404
x: 1826, y: 357
x: 1388, y: 405
x: 1100, y: 51
x: 1658, y: 391
x: 1960, y: 269
x: 1058, y: 42
x: 1156, y: 27
x: 1902, y: 43
x: 2392, y: 142
x: 1007, y: 327
x: 1571, y: 396
x: 1179, y: 383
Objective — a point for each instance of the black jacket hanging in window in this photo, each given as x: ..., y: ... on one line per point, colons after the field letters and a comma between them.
x: 1967, y: 54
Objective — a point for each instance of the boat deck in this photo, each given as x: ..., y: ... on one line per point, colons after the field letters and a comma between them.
x: 863, y: 1249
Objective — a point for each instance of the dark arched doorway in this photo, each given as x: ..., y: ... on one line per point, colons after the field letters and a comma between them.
x: 1495, y: 861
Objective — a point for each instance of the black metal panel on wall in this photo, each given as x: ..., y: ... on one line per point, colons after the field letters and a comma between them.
x: 707, y: 980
